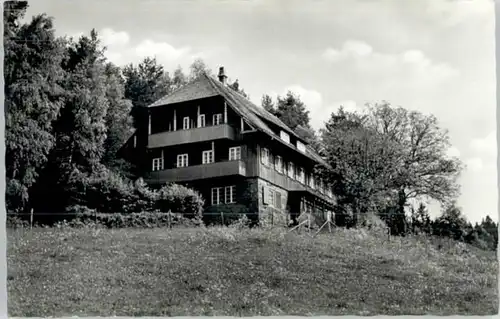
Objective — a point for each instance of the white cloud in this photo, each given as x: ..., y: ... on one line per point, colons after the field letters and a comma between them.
x: 112, y: 38
x: 350, y: 48
x: 411, y: 68
x: 160, y: 49
x: 319, y: 111
x: 120, y: 50
x: 486, y: 146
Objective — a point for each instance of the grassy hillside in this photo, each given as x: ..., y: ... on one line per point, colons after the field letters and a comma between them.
x: 139, y: 272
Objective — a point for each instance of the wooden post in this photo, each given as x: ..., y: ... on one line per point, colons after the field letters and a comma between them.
x: 175, y: 120
x: 170, y: 219
x: 222, y: 218
x: 213, y: 150
x: 329, y: 216
x: 31, y: 219
x: 198, y: 120
x: 149, y: 124
x: 242, y: 125
x: 225, y: 112
x: 309, y: 221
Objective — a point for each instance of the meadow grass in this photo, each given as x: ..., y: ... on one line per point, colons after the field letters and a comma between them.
x: 243, y: 272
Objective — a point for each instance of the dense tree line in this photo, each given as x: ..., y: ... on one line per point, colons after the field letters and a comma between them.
x: 68, y: 110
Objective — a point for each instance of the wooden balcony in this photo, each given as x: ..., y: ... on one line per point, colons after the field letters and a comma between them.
x: 200, y: 134
x: 290, y: 184
x: 190, y: 173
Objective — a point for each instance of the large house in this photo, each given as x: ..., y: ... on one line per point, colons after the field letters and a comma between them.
x: 209, y: 137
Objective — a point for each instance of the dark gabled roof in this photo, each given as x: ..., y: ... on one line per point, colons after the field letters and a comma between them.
x: 206, y: 86
x: 198, y: 89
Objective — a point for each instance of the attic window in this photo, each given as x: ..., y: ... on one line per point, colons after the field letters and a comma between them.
x: 301, y: 147
x: 285, y: 137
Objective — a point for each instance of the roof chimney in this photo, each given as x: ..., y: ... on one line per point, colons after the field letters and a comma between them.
x: 222, y: 76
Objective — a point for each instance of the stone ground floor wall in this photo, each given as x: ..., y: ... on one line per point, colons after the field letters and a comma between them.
x: 250, y: 201
x: 277, y: 214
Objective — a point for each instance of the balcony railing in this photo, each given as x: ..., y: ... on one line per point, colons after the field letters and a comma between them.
x: 199, y: 134
x: 190, y: 173
x: 284, y: 181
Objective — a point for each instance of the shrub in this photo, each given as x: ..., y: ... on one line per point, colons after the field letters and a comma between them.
x: 14, y: 221
x: 177, y: 198
x: 225, y: 214
x: 132, y: 220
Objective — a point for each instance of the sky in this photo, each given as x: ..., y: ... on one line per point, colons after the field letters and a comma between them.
x: 433, y: 56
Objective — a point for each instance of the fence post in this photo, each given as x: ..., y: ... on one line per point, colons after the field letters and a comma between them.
x: 31, y: 219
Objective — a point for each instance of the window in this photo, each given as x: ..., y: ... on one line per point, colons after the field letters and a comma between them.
x: 269, y: 196
x: 221, y: 195
x: 277, y: 200
x: 285, y: 137
x: 300, y: 175
x: 301, y: 147
x: 201, y: 120
x: 278, y: 164
x: 185, y: 123
x: 208, y: 157
x: 264, y: 156
x: 234, y: 153
x: 310, y: 178
x: 182, y: 160
x: 217, y: 119
x: 291, y: 170
x: 230, y: 194
x: 157, y: 164
x: 217, y: 195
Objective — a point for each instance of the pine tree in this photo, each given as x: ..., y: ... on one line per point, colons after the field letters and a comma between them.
x: 33, y: 98
x: 268, y: 104
x: 146, y: 83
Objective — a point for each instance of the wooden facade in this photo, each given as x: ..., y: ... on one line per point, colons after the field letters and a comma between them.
x: 219, y: 146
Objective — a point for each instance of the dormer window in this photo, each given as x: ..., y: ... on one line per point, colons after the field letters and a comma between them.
x: 301, y: 147
x: 285, y: 137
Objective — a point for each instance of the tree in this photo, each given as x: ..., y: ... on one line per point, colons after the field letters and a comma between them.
x: 118, y: 118
x: 451, y: 224
x: 292, y: 111
x: 144, y: 84
x: 198, y: 67
x: 268, y: 104
x: 33, y: 98
x: 179, y: 79
x: 80, y: 130
x: 362, y: 163
x: 424, y: 170
x: 236, y: 87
